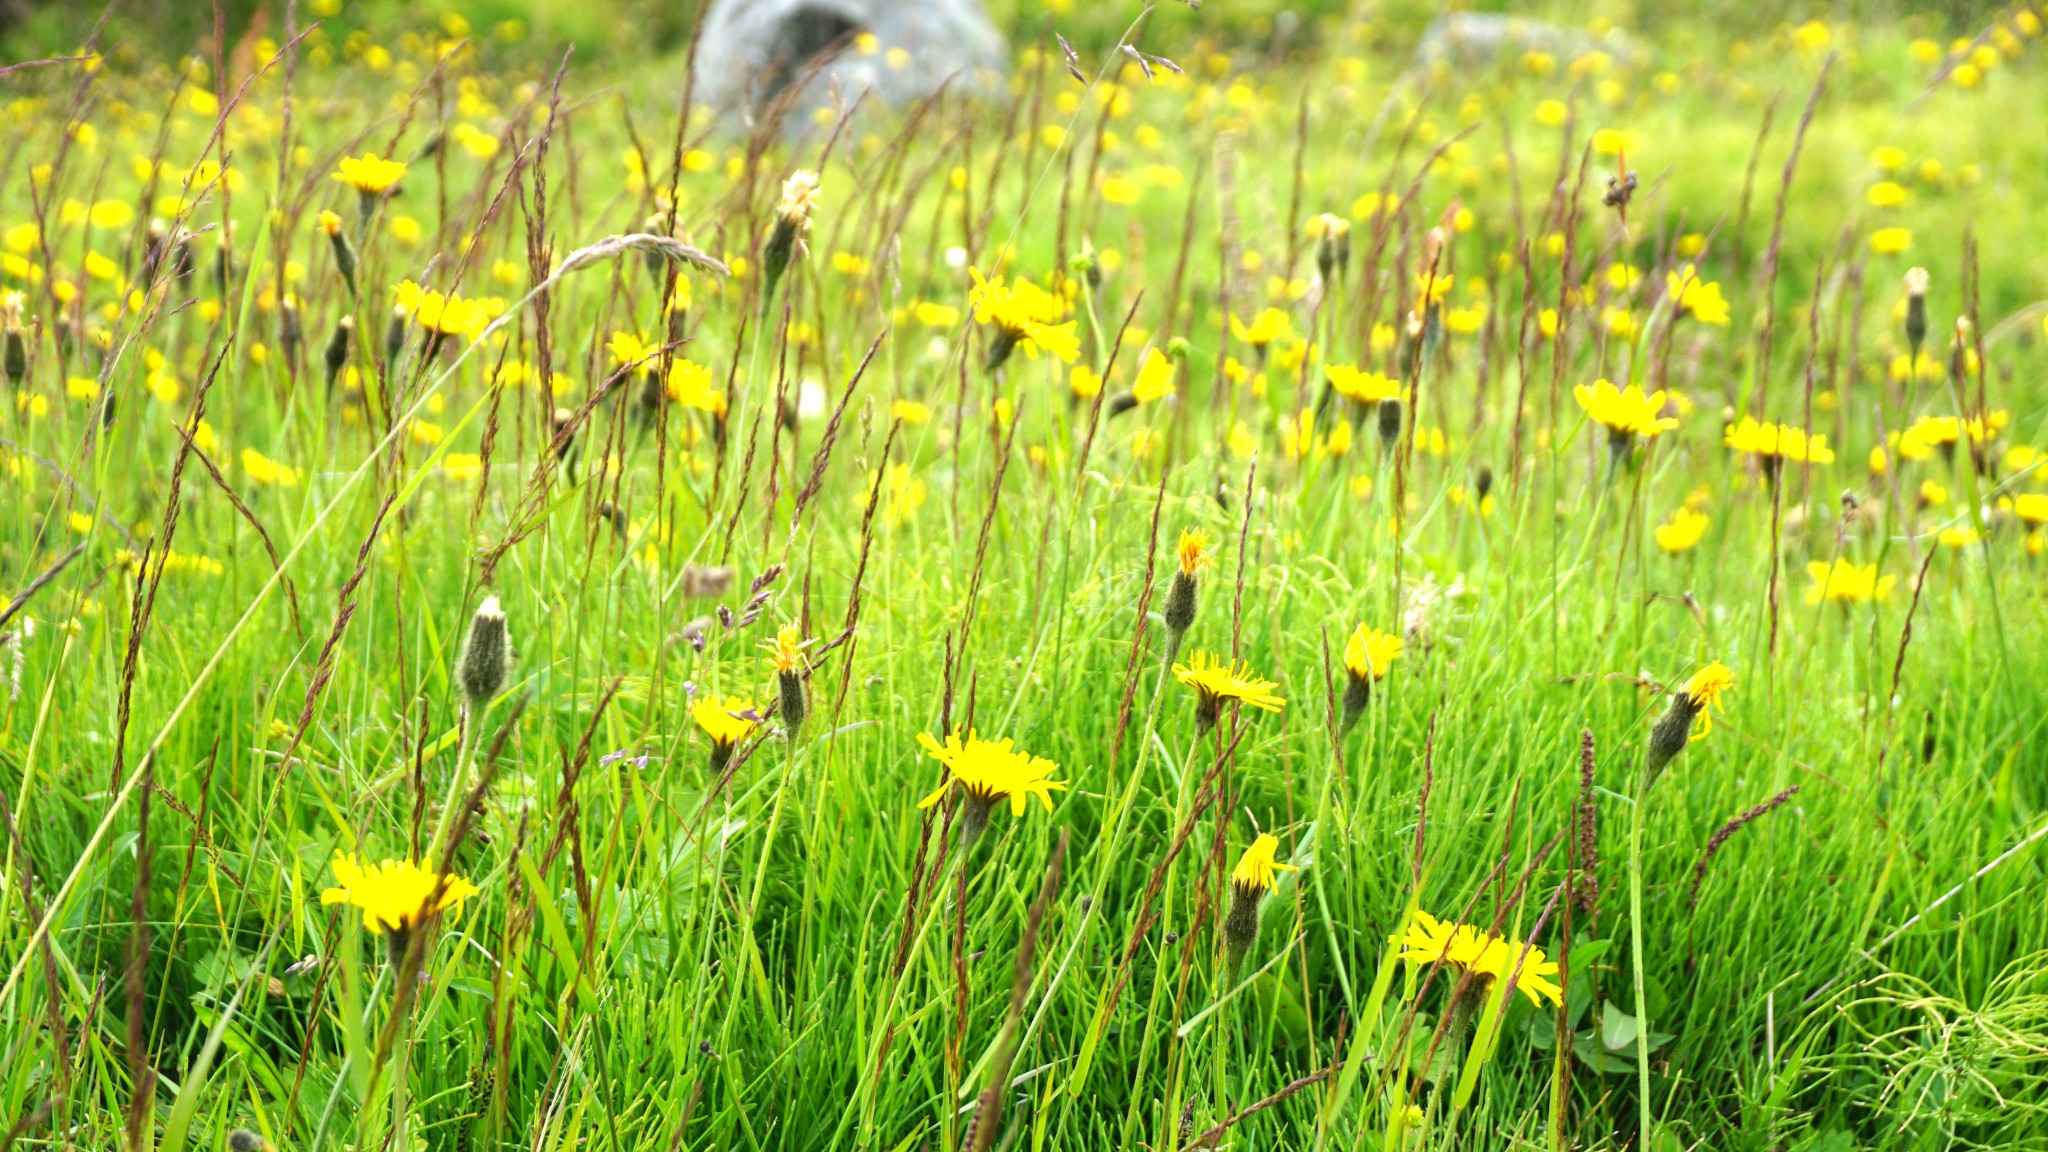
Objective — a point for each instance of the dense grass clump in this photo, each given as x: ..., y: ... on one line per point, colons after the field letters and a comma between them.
x: 1245, y: 587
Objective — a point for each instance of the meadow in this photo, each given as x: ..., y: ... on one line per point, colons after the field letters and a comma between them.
x: 1243, y: 587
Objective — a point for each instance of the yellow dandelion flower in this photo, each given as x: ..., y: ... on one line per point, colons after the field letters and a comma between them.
x: 1700, y: 297
x: 991, y: 770
x: 1626, y: 412
x: 1155, y: 377
x: 1364, y: 387
x: 1682, y: 532
x: 1370, y: 653
x: 1216, y: 680
x: 726, y: 722
x: 1771, y: 442
x: 1023, y: 316
x: 1256, y: 869
x: 1705, y: 689
x: 370, y: 175
x: 787, y: 649
x: 1269, y: 326
x: 396, y: 895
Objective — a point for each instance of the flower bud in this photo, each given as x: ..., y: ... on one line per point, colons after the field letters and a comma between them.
x: 335, y: 357
x: 1390, y: 421
x: 480, y: 673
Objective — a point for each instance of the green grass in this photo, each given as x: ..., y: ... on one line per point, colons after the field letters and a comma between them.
x: 792, y: 954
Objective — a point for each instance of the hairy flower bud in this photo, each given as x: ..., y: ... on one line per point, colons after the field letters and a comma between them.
x: 335, y: 357
x: 480, y: 673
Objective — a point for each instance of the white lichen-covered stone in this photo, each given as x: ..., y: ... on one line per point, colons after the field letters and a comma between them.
x: 899, y: 51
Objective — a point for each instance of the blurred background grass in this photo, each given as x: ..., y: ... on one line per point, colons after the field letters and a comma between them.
x: 639, y: 33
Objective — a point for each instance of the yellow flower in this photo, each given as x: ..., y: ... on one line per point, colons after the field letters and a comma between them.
x: 1270, y: 325
x: 1886, y: 194
x: 628, y: 348
x: 991, y: 770
x: 727, y: 722
x: 1024, y: 316
x: 787, y: 649
x: 395, y: 895
x: 689, y: 384
x: 1370, y: 653
x: 1084, y: 382
x: 1256, y: 868
x: 1846, y: 582
x: 1194, y: 551
x: 111, y: 214
x: 1706, y: 688
x: 370, y: 175
x: 1625, y: 411
x: 1700, y: 297
x: 1155, y: 377
x: 1771, y: 443
x: 264, y: 470
x: 446, y: 315
x: 936, y: 315
x: 1364, y: 387
x: 1682, y: 532
x: 2031, y: 507
x: 911, y: 412
x: 1487, y: 957
x: 1892, y: 241
x: 1215, y: 680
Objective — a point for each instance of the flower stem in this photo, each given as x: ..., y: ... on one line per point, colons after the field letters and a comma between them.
x: 1635, y: 926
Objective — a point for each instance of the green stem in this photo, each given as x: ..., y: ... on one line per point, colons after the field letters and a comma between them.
x: 1635, y: 927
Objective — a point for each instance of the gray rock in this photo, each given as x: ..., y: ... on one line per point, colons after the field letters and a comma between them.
x: 752, y: 50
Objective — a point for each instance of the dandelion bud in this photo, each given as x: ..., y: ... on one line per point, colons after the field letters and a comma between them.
x: 480, y: 673
x: 13, y: 343
x: 786, y: 243
x: 1959, y: 360
x: 290, y: 333
x: 1254, y: 876
x: 394, y: 336
x: 243, y: 1140
x: 1180, y: 599
x: 1390, y: 421
x: 1482, y: 484
x: 156, y: 246
x: 335, y: 357
x: 786, y: 651
x: 1691, y: 707
x: 563, y: 426
x: 1087, y: 267
x: 344, y: 252
x: 1333, y: 246
x: 1179, y: 348
x: 1916, y: 310
x: 1672, y: 733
